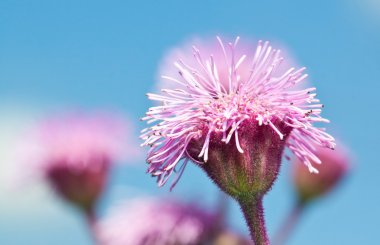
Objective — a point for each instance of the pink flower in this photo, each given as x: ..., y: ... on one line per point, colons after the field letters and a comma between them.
x: 149, y: 221
x: 335, y: 166
x: 233, y: 95
x: 74, y: 153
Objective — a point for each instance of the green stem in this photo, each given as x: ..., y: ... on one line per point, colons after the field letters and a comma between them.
x: 254, y: 215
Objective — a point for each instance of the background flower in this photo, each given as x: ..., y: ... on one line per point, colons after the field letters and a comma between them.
x: 159, y: 222
x: 311, y: 187
x: 208, y: 46
x: 334, y: 168
x: 74, y: 153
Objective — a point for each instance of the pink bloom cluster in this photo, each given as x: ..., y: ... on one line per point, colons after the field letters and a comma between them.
x: 218, y: 94
x: 149, y: 221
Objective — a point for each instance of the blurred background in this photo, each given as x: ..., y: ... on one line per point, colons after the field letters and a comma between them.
x: 58, y: 55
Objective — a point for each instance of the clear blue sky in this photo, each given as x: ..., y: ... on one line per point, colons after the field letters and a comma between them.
x: 104, y: 54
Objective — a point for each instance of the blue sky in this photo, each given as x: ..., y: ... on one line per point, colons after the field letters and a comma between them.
x: 105, y: 54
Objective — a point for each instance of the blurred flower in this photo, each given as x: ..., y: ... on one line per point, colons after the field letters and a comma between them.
x: 207, y: 46
x: 229, y: 238
x: 311, y: 186
x: 158, y: 222
x: 233, y: 114
x: 74, y: 153
x: 331, y: 172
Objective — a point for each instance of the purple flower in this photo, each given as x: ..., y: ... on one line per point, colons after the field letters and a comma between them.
x: 335, y: 168
x: 310, y: 187
x: 236, y: 100
x: 74, y: 152
x: 150, y: 221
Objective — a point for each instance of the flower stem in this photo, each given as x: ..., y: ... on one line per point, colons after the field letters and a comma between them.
x: 91, y: 219
x: 289, y: 224
x: 254, y: 215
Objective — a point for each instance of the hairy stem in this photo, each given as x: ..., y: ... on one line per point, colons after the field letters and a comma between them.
x: 254, y: 215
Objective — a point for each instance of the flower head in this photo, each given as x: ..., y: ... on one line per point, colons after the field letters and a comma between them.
x: 233, y: 104
x: 335, y: 167
x: 148, y: 221
x: 74, y: 153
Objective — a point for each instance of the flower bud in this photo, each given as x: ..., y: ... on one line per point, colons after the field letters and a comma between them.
x: 81, y: 187
x: 74, y: 153
x: 335, y: 164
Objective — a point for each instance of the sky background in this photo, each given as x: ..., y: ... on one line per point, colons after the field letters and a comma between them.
x: 104, y: 55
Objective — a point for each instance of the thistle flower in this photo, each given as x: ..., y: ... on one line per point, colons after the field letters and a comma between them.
x: 74, y: 153
x: 149, y: 221
x: 206, y: 103
x: 233, y: 116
